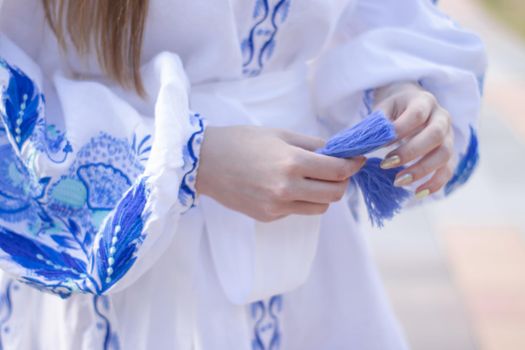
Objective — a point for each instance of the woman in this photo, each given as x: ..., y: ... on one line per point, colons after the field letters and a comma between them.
x: 117, y: 115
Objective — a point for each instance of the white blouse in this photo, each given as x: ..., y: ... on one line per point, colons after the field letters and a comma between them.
x: 97, y: 197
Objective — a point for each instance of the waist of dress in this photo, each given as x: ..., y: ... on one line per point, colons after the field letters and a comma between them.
x: 279, y: 99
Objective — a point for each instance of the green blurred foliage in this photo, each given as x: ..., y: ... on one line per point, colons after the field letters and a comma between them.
x: 511, y: 12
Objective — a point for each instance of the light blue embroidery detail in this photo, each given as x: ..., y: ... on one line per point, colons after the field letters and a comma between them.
x: 258, y: 47
x: 267, y: 332
x: 466, y: 165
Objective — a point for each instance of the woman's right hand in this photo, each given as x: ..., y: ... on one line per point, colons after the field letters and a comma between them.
x: 268, y: 173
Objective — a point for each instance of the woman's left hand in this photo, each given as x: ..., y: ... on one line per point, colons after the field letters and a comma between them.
x: 425, y: 129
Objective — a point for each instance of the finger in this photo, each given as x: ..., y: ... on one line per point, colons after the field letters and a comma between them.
x: 425, y: 166
x: 388, y: 107
x: 415, y: 115
x: 436, y: 182
x: 305, y: 142
x: 431, y: 137
x: 320, y: 167
x: 306, y: 208
x: 314, y: 191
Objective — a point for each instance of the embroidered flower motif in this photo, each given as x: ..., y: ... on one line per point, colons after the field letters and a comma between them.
x: 106, y: 184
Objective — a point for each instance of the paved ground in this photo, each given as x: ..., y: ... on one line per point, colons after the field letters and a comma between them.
x: 456, y: 270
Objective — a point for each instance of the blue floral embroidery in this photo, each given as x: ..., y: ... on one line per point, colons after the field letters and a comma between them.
x: 49, y: 140
x: 102, y: 196
x: 111, y: 341
x: 187, y: 194
x: 62, y: 211
x: 20, y: 194
x: 80, y: 231
x: 260, y: 43
x: 466, y: 166
x: 267, y: 333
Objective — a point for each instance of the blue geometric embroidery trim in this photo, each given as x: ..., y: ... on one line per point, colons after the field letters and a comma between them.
x: 466, y: 165
x: 258, y: 47
x: 187, y: 191
x: 267, y: 333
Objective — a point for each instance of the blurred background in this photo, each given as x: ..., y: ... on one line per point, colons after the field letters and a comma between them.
x: 455, y: 271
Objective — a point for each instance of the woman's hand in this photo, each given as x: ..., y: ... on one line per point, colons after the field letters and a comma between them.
x: 268, y: 174
x: 425, y: 130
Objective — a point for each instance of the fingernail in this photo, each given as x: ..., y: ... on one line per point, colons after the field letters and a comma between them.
x: 404, y: 180
x: 390, y: 162
x: 422, y: 194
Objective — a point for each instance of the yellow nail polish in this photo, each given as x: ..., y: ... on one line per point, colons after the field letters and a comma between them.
x: 404, y: 180
x: 422, y: 194
x: 391, y: 162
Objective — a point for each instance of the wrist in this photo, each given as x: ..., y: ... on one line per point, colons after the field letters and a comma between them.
x: 202, y: 183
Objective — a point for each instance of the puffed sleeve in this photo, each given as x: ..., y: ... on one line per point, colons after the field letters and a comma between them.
x: 92, y: 187
x: 379, y: 42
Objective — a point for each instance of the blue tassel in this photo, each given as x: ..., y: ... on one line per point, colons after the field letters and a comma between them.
x: 374, y: 132
x: 383, y: 200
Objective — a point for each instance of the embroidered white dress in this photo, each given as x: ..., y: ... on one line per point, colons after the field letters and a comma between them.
x: 97, y: 198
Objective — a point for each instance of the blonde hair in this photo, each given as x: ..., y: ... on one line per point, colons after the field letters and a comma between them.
x: 115, y: 28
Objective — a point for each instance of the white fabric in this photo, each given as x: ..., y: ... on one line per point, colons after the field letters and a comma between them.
x: 197, y: 274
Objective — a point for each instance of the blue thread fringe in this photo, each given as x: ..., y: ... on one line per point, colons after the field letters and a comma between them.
x: 374, y: 132
x: 383, y: 200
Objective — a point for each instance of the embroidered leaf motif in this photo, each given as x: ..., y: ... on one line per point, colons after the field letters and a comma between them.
x: 122, y: 235
x: 22, y: 102
x: 39, y: 258
x: 64, y: 241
